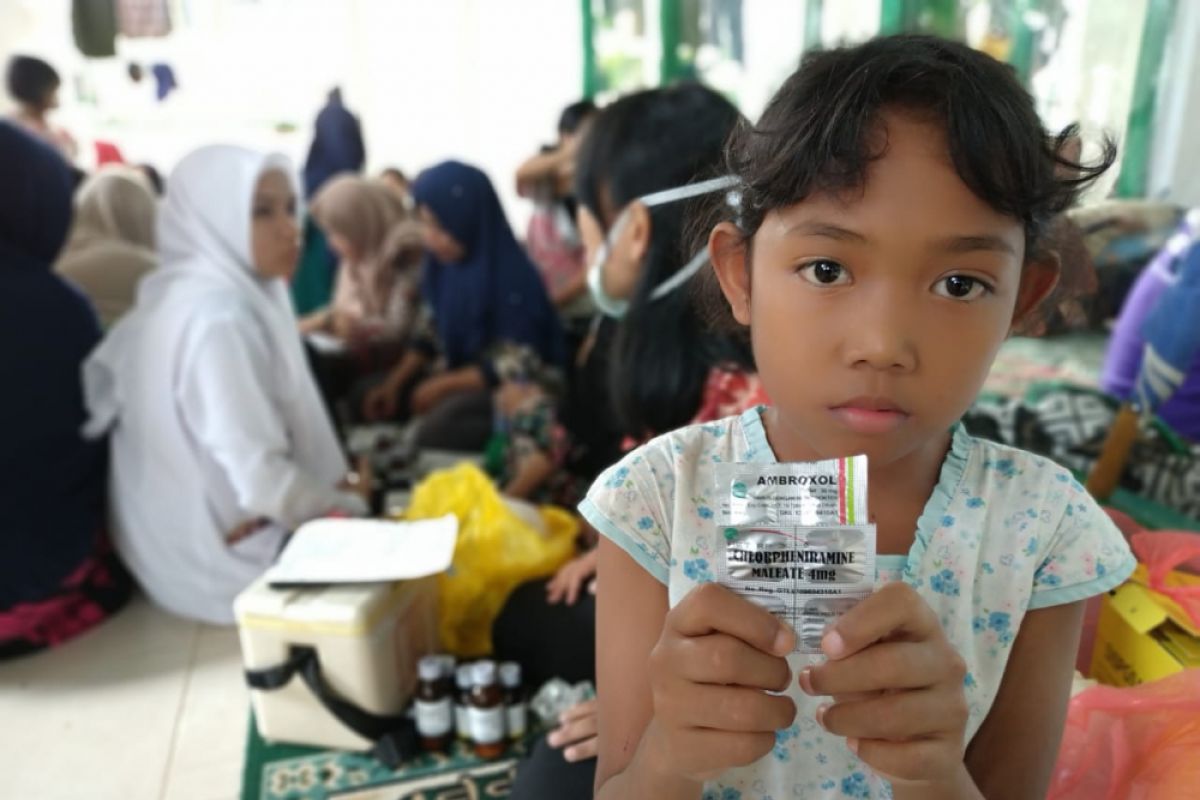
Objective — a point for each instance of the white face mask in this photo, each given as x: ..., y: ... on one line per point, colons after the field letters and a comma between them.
x: 611, y: 306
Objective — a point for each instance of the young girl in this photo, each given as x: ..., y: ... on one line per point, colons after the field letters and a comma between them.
x: 886, y: 240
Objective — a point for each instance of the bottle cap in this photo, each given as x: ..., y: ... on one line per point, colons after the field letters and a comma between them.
x: 484, y: 673
x: 429, y: 668
x: 463, y: 677
x: 510, y: 675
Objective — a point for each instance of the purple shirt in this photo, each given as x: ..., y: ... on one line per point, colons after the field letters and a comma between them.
x: 1124, y: 359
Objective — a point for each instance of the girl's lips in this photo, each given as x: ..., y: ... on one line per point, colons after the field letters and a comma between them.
x: 870, y: 415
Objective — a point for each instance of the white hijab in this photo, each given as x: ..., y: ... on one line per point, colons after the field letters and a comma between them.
x: 204, y: 232
x: 172, y: 513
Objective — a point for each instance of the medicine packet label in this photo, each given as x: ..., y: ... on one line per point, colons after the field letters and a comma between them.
x: 797, y: 542
x: 828, y: 492
x: 806, y: 577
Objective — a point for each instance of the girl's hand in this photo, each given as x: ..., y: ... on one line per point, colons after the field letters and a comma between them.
x: 710, y: 671
x: 897, y: 684
x: 570, y: 578
x: 576, y: 732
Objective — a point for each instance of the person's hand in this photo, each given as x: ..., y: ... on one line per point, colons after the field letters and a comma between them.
x: 576, y: 732
x: 570, y: 578
x: 359, y: 481
x: 428, y: 394
x: 897, y: 683
x: 512, y: 395
x: 716, y: 659
x: 380, y: 402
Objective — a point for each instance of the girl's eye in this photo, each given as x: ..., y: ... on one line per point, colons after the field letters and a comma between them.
x: 824, y: 272
x: 261, y: 212
x: 961, y: 287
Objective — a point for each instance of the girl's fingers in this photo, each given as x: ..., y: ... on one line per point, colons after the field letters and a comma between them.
x: 897, y: 716
x: 728, y: 708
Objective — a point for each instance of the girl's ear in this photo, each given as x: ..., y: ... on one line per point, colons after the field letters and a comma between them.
x: 637, y: 233
x: 1039, y: 277
x: 728, y: 254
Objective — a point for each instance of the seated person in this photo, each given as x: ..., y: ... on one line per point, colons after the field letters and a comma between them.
x: 1126, y: 348
x: 58, y: 574
x: 220, y: 442
x: 481, y: 293
x: 112, y: 241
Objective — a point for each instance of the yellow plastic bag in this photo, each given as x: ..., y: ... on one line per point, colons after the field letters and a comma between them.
x: 497, y: 551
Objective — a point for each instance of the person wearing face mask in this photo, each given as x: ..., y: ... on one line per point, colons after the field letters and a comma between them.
x: 220, y: 442
x: 650, y: 365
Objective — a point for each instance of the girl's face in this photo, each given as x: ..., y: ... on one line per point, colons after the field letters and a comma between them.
x: 875, y: 316
x: 438, y: 240
x: 275, y: 237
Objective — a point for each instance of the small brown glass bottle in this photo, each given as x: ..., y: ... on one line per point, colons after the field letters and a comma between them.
x: 449, y: 665
x: 487, y: 711
x: 515, y: 704
x: 462, y: 702
x: 434, y: 707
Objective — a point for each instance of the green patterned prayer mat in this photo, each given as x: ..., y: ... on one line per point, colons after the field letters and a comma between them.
x: 289, y: 772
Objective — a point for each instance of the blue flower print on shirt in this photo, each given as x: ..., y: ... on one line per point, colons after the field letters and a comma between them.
x: 969, y: 681
x: 697, y: 570
x: 979, y: 624
x: 705, y: 512
x: 828, y: 784
x: 1100, y: 569
x: 1031, y: 546
x: 1001, y: 623
x: 781, y: 751
x: 617, y: 479
x: 945, y: 583
x: 947, y: 521
x: 975, y: 502
x: 855, y: 785
x: 645, y: 524
x: 1050, y: 579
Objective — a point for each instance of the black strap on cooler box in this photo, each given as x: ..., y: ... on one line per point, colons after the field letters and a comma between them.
x: 395, y: 737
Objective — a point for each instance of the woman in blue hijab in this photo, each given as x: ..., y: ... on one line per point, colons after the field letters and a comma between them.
x: 482, y: 294
x: 58, y: 576
x: 337, y: 147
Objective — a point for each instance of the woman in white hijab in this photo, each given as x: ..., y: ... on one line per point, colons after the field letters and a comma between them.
x: 220, y: 442
x: 112, y: 240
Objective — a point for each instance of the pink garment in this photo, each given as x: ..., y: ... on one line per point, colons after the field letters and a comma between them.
x: 554, y: 246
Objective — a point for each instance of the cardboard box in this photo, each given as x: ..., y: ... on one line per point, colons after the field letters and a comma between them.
x: 1144, y: 635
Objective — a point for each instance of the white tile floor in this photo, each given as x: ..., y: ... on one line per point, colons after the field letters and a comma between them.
x: 145, y: 707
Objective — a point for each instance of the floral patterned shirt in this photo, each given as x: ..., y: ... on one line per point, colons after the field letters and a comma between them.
x: 1003, y: 532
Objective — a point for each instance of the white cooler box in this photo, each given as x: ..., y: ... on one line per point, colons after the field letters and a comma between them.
x: 367, y: 638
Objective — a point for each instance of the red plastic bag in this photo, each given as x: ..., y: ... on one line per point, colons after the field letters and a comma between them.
x: 1164, y: 551
x: 1133, y: 743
